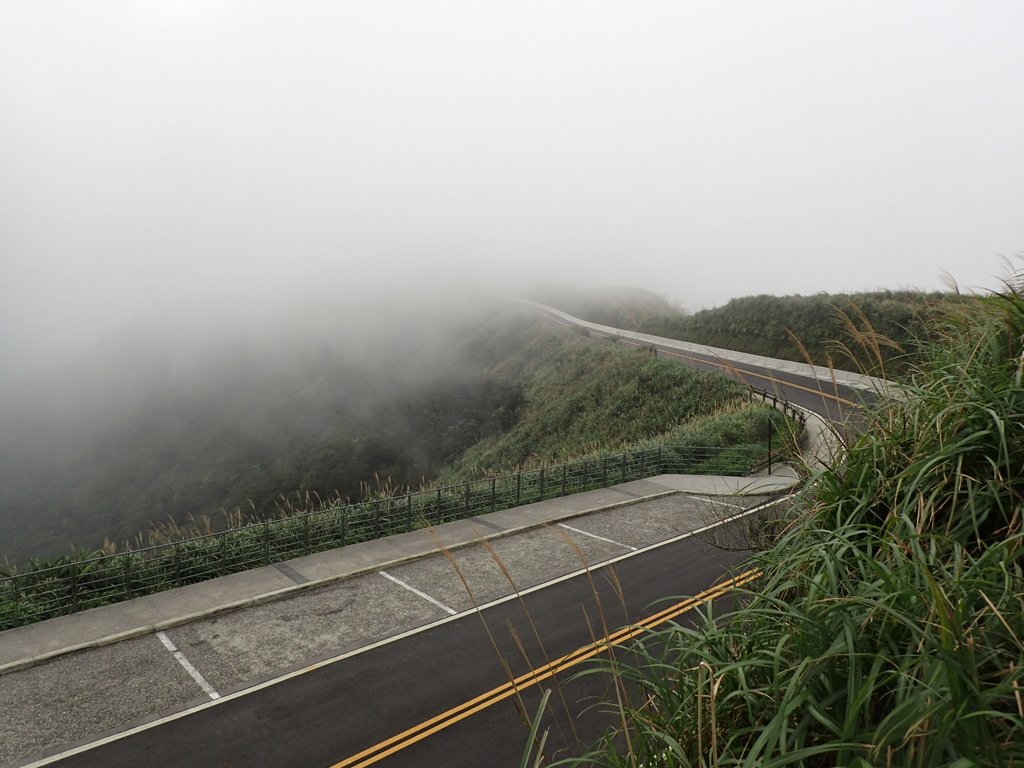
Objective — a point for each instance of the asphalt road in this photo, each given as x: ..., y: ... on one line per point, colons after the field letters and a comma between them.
x: 324, y: 716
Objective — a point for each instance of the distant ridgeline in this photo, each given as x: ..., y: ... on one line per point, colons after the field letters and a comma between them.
x: 877, y: 332
x: 144, y: 437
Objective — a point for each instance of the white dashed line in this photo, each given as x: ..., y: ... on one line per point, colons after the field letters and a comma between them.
x: 415, y: 591
x: 595, y: 536
x: 715, y: 501
x: 170, y: 646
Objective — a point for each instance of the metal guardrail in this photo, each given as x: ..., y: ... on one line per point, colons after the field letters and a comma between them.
x: 779, y: 404
x: 73, y: 584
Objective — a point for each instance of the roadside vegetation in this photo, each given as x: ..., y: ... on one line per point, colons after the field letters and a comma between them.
x: 887, y: 628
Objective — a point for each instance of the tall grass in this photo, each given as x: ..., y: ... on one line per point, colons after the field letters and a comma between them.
x: 888, y: 626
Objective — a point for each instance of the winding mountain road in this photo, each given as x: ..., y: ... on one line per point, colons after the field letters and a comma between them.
x: 461, y: 691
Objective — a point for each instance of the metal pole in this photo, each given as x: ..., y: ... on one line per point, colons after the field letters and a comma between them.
x: 769, y: 446
x: 408, y: 511
x: 494, y: 504
x: 177, y: 564
x: 519, y: 487
x: 128, y: 574
x: 542, y: 483
x: 74, y: 586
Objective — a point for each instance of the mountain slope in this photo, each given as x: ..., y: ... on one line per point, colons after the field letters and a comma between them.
x: 165, y: 425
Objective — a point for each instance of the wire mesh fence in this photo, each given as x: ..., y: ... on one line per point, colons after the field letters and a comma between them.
x: 74, y: 583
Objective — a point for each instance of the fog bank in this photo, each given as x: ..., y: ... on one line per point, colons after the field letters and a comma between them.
x: 210, y: 155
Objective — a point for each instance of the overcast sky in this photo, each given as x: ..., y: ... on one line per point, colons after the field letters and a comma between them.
x: 204, y: 152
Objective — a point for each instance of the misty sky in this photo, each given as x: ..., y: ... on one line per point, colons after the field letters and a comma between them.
x: 205, y: 153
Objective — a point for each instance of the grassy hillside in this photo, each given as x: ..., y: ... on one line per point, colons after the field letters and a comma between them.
x: 888, y: 625
x: 583, y: 396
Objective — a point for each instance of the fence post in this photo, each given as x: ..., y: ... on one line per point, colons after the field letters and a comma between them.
x: 376, y: 519
x: 519, y: 487
x: 465, y: 503
x: 408, y: 512
x: 623, y: 468
x: 643, y: 462
x: 494, y: 499
x: 563, y: 478
x: 769, y: 445
x: 177, y: 564
x: 74, y: 585
x: 266, y: 542
x: 128, y: 574
x: 344, y: 524
x: 661, y: 460
x: 604, y: 472
x: 542, y: 483
x: 305, y: 533
x: 438, y: 506
x: 223, y: 552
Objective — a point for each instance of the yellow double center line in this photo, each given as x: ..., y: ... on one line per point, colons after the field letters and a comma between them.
x: 429, y: 727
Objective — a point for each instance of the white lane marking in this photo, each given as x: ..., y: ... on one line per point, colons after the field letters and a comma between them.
x: 394, y: 638
x: 170, y: 646
x: 715, y: 501
x: 595, y: 536
x: 415, y: 591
